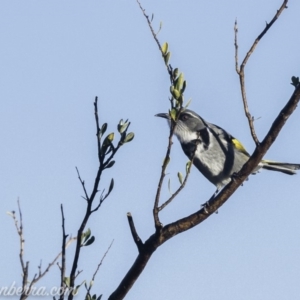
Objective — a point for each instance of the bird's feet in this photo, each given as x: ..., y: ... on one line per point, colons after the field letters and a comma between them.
x: 235, y: 176
x: 206, y: 204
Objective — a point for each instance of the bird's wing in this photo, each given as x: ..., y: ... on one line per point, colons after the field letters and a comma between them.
x: 223, y: 134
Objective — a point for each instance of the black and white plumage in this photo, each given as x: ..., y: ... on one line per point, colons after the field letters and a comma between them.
x: 218, y: 154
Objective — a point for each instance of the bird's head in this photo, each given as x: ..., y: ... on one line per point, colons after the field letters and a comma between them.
x: 188, y: 125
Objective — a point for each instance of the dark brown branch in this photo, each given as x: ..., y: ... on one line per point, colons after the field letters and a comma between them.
x: 241, y: 71
x: 136, y: 269
x: 214, y: 204
x: 134, y: 233
x: 163, y: 234
x: 170, y: 230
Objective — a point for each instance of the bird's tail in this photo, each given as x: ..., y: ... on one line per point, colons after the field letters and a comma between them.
x: 286, y: 168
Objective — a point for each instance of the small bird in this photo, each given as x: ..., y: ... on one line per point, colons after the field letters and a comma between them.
x: 218, y: 155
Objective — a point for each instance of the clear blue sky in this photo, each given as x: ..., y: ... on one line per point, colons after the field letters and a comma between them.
x: 56, y: 56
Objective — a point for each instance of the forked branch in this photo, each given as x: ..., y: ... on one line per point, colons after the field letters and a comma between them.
x: 164, y: 233
x: 241, y: 70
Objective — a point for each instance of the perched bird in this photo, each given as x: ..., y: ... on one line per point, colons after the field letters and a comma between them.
x: 218, y: 155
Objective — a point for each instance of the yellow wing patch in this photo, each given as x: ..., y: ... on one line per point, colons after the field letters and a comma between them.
x: 238, y: 145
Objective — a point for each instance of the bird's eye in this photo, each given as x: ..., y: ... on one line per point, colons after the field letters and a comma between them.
x: 184, y: 117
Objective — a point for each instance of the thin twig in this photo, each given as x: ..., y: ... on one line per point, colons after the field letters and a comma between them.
x: 83, y: 186
x: 98, y: 267
x: 51, y: 264
x: 63, y: 256
x: 157, y: 222
x: 78, y: 273
x: 26, y: 284
x: 25, y: 266
x: 236, y: 47
x: 20, y: 232
x: 181, y: 186
x: 134, y: 233
x: 150, y: 26
x: 268, y: 26
x: 169, y: 67
x: 156, y: 209
x: 98, y: 130
x: 100, y: 202
x: 90, y: 199
x: 240, y: 71
x: 241, y: 74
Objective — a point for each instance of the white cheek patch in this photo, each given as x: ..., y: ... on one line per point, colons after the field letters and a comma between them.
x: 185, y: 136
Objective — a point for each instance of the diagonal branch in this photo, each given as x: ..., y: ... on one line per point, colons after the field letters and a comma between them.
x: 241, y: 71
x: 183, y: 183
x: 134, y: 233
x: 95, y: 273
x: 150, y: 26
x: 184, y: 224
x: 164, y: 233
x: 169, y: 68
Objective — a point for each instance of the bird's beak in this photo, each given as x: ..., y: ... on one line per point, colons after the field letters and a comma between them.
x: 163, y: 115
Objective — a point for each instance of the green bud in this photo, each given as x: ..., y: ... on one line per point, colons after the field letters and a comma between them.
x: 129, y: 137
x: 175, y: 73
x: 167, y: 58
x: 173, y: 114
x: 179, y: 82
x: 164, y: 48
x: 180, y: 177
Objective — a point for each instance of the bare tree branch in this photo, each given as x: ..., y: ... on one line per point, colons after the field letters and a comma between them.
x: 63, y: 252
x: 134, y: 233
x: 98, y: 130
x: 156, y: 207
x: 26, y: 284
x: 83, y: 186
x: 183, y: 183
x: 169, y: 67
x: 98, y: 267
x: 172, y: 229
x: 157, y: 222
x: 241, y: 71
x: 164, y: 233
x: 106, y: 152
